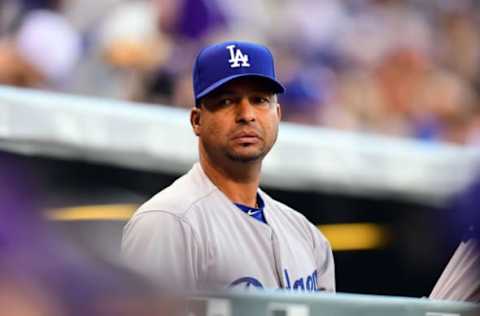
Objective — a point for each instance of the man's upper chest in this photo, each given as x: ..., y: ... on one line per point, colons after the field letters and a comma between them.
x: 241, y: 251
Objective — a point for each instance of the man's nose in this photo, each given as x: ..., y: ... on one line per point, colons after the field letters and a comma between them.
x: 245, y: 111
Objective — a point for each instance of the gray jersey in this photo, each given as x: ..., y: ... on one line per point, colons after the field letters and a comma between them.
x: 191, y: 236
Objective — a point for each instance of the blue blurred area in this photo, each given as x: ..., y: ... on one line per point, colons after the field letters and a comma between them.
x: 41, y: 271
x: 197, y: 18
x: 465, y: 214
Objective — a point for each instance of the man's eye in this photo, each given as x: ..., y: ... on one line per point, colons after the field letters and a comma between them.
x: 260, y: 100
x: 225, y: 102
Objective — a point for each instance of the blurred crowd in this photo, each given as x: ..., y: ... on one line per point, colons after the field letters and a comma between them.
x: 407, y: 68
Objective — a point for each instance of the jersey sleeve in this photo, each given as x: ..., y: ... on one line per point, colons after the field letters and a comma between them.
x: 324, y: 259
x: 163, y: 248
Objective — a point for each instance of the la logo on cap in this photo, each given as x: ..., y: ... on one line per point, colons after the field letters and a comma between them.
x: 237, y: 58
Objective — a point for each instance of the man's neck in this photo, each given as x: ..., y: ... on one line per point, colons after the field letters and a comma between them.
x: 239, y: 181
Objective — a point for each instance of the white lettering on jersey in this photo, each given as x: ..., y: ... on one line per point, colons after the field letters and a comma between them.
x: 237, y: 58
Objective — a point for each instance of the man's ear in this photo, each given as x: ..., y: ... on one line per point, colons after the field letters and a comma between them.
x: 279, y: 112
x: 195, y: 115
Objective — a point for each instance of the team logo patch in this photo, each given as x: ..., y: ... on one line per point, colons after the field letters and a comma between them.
x: 247, y: 283
x: 237, y: 58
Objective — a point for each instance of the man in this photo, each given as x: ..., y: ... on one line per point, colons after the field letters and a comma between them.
x: 214, y: 228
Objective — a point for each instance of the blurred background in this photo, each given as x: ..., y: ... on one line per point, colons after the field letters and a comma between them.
x: 398, y: 67
x: 389, y: 75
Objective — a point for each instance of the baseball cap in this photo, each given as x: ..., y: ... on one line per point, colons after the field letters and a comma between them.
x: 218, y: 64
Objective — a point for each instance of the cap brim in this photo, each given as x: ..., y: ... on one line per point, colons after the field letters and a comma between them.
x: 277, y: 87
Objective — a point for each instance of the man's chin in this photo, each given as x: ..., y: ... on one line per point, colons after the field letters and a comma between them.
x: 245, y: 157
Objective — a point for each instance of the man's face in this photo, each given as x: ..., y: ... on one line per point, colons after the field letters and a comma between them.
x: 239, y: 121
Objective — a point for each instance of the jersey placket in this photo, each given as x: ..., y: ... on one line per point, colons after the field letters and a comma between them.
x: 277, y: 258
x: 276, y: 250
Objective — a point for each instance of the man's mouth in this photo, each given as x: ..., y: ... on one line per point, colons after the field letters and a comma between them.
x: 246, y: 137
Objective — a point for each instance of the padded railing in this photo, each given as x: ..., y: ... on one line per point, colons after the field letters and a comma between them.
x: 268, y: 303
x: 155, y: 137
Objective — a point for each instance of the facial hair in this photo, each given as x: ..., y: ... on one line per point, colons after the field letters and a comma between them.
x: 264, y: 150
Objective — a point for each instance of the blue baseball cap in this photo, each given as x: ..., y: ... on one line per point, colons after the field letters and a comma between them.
x: 218, y: 64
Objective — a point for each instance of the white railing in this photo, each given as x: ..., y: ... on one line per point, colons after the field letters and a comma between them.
x: 153, y: 137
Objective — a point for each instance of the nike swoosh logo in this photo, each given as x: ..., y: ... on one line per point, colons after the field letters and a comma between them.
x: 252, y: 212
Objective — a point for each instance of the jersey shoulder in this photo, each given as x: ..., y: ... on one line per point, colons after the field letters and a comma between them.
x: 286, y: 210
x: 179, y: 197
x: 297, y: 220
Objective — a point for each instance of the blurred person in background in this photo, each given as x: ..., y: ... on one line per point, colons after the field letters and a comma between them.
x: 188, y: 24
x: 15, y: 70
x: 132, y: 45
x: 41, y: 48
x: 49, y: 43
x: 125, y: 47
x: 459, y: 48
x: 450, y: 102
